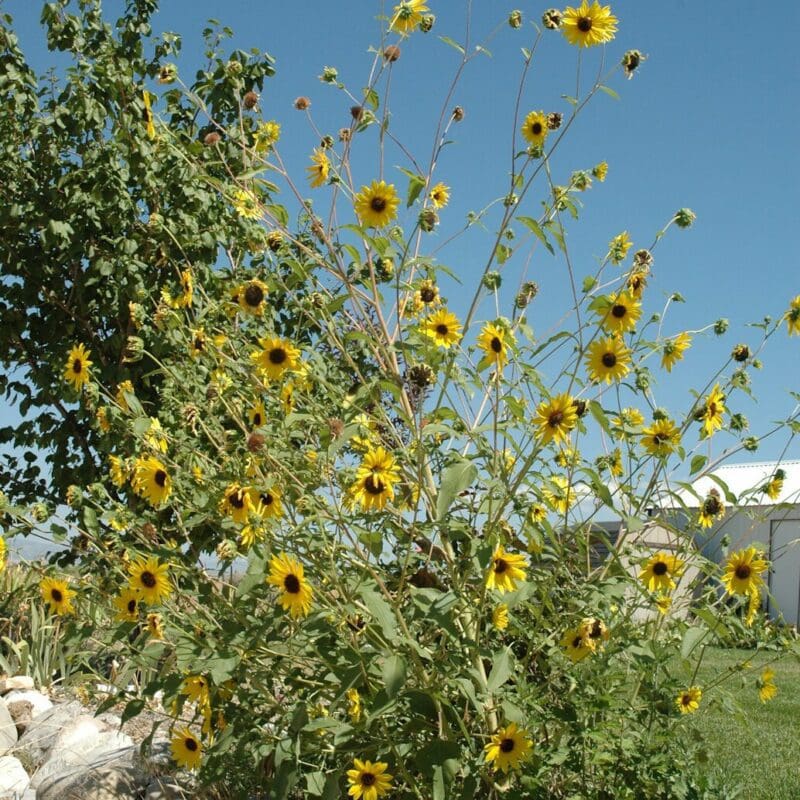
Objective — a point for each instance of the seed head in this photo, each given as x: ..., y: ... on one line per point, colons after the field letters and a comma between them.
x: 552, y: 19
x: 250, y: 100
x: 211, y: 139
x: 554, y: 120
x: 302, y: 103
x: 458, y: 114
x: 391, y: 53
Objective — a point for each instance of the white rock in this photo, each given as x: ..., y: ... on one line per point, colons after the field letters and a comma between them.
x: 8, y: 730
x: 165, y: 789
x: 17, y: 682
x: 98, y: 783
x: 13, y: 778
x: 39, y: 702
x: 41, y: 733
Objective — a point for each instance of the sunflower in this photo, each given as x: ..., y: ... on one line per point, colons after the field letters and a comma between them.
x: 198, y: 343
x: 688, y: 701
x: 600, y: 171
x: 505, y: 570
x: 196, y: 688
x: 186, y: 749
x: 319, y: 169
x: 663, y: 603
x: 575, y: 645
x: 637, y: 280
x: 509, y: 747
x: 774, y: 486
x: 608, y: 360
x: 287, y: 397
x: 621, y: 314
x: 252, y: 296
x: 615, y: 463
x: 766, y: 688
x: 792, y: 317
x: 712, y: 509
x: 76, y: 370
x: 594, y: 633
x: 439, y: 195
x: 267, y: 502
x: 154, y: 437
x: 375, y: 479
x: 57, y: 594
x: 257, y: 415
x: 660, y: 571
x: 534, y: 128
x: 500, y: 616
x: 127, y: 604
x: 148, y: 115
x: 353, y: 704
x: 151, y: 481
x: 661, y: 438
x: 246, y: 204
x: 184, y: 299
x: 275, y: 357
x: 154, y: 626
x: 443, y: 327
x: 286, y: 574
x: 559, y: 495
x: 124, y: 388
x: 369, y: 781
x: 618, y: 247
x: 588, y: 25
x: 118, y: 471
x: 743, y: 571
x: 555, y: 418
x: 151, y: 579
x: 427, y: 295
x: 101, y: 415
x: 236, y: 503
x: 492, y: 340
x: 266, y: 136
x: 628, y: 418
x: 376, y: 204
x: 3, y: 553
x: 711, y: 412
x: 673, y: 350
x: 405, y: 18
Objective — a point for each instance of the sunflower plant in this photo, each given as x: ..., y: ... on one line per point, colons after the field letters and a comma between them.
x: 346, y: 522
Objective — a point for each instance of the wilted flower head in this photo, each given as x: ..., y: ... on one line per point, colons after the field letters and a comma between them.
x: 552, y: 19
x: 631, y: 61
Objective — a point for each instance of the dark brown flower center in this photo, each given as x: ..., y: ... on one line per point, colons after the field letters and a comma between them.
x: 236, y: 499
x: 427, y: 294
x: 257, y: 419
x: 160, y: 477
x: 743, y: 572
x: 686, y: 699
x: 199, y: 344
x: 555, y: 419
x: 712, y: 506
x: 367, y: 779
x: 660, y: 568
x: 148, y: 579
x: 500, y: 566
x: 597, y: 630
x: 442, y: 329
x: 77, y: 366
x: 507, y: 745
x: 584, y: 24
x: 277, y: 355
x: 609, y: 360
x: 253, y: 295
x: 291, y: 583
x: 374, y: 485
x: 131, y: 606
x: 378, y: 204
x: 536, y: 128
x: 191, y: 744
x: 267, y: 499
x: 619, y: 311
x: 56, y: 595
x: 659, y: 438
x: 496, y: 345
x: 576, y: 642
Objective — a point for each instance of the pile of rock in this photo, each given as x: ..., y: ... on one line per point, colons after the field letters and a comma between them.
x: 61, y: 751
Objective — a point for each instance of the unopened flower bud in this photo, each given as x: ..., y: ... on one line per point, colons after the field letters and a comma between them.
x: 329, y: 75
x: 740, y: 353
x: 428, y: 220
x: 552, y: 19
x: 492, y: 280
x: 74, y: 496
x: 134, y: 350
x: 233, y: 68
x: 642, y: 379
x: 721, y: 326
x: 227, y: 550
x: 458, y: 114
x: 684, y: 217
x: 426, y: 23
x: 515, y: 19
x: 39, y: 512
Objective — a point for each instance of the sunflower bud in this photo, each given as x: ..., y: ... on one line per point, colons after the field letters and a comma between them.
x: 250, y: 100
x: 421, y: 376
x: 391, y: 53
x: 426, y: 23
x: 345, y: 134
x: 458, y: 114
x: 551, y: 19
x: 39, y: 512
x: 134, y: 350
x: 554, y: 120
x: 739, y: 422
x: 631, y: 61
x: 721, y: 326
x: 492, y: 280
x: 227, y: 550
x: 580, y: 180
x: 255, y: 442
x: 643, y: 379
x: 233, y: 68
x: 302, y: 103
x: 329, y: 75
x: 684, y: 217
x: 428, y: 220
x: 750, y: 444
x: 510, y: 200
x: 740, y: 353
x: 643, y: 259
x: 660, y: 413
x: 3, y: 502
x: 527, y: 292
x: 580, y: 407
x: 74, y: 496
x: 515, y: 19
x: 211, y: 138
x: 167, y: 74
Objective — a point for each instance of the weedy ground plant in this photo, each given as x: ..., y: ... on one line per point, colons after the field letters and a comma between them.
x: 416, y: 605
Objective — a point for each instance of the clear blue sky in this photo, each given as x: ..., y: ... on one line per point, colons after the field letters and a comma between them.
x: 710, y: 121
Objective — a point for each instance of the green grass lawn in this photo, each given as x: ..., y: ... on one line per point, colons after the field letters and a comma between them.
x: 758, y: 750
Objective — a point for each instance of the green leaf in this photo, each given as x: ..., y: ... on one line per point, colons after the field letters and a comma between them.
x: 448, y: 40
x: 609, y: 91
x: 534, y: 226
x: 597, y: 412
x: 371, y: 98
x: 455, y: 479
x: 589, y: 282
x: 394, y: 675
x: 132, y: 709
x: 502, y: 667
x: 315, y: 783
x: 380, y: 610
x: 693, y: 636
x: 698, y: 462
x: 222, y: 668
